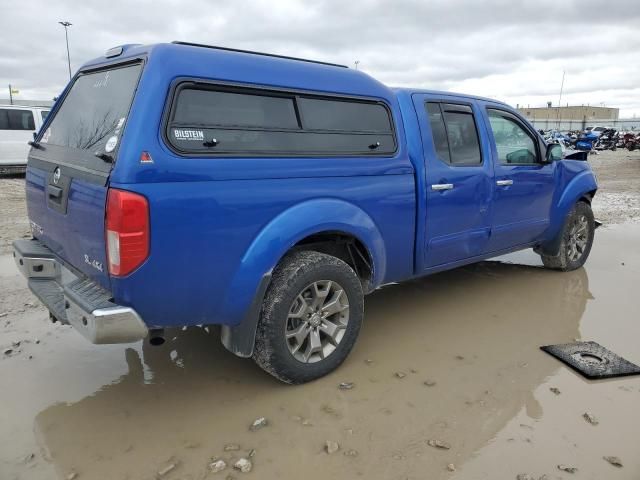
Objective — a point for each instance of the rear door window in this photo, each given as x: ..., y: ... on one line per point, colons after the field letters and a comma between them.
x: 93, y: 114
x: 16, y: 119
x: 238, y: 121
x: 438, y: 131
x: 463, y: 138
x: 454, y: 133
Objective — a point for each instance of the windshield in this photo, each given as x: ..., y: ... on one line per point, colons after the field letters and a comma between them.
x: 94, y: 111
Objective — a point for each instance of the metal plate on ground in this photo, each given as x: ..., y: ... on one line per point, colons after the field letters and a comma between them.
x: 592, y: 360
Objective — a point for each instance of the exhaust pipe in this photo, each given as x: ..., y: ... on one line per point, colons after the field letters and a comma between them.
x: 156, y: 336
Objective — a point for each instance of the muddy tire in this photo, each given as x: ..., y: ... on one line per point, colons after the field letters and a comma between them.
x: 310, y: 318
x: 576, y: 242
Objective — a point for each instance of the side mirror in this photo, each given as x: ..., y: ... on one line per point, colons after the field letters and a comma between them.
x: 554, y: 152
x: 35, y: 134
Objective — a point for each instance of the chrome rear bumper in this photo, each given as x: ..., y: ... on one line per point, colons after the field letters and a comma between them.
x: 74, y: 300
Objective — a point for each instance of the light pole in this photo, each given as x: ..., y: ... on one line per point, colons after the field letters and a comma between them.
x: 357, y: 62
x: 560, y: 98
x: 66, y: 25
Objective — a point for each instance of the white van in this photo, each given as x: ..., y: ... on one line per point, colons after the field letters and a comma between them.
x: 17, y: 125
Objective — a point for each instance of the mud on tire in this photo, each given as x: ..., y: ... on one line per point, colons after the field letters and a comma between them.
x: 565, y: 260
x: 298, y: 272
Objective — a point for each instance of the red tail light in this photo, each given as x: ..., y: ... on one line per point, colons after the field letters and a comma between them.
x: 127, y: 231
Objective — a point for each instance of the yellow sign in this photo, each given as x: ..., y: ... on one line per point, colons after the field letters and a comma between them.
x: 15, y: 91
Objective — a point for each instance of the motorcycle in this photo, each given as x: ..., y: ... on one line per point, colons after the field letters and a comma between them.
x: 586, y: 141
x: 631, y: 141
x: 608, y: 140
x: 553, y: 136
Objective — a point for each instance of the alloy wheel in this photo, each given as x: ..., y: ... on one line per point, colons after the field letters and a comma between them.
x: 317, y: 321
x: 578, y: 238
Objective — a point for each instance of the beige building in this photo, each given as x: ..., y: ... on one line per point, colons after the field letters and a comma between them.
x: 579, y: 113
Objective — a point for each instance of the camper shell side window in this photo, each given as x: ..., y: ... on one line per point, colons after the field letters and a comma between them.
x: 237, y: 121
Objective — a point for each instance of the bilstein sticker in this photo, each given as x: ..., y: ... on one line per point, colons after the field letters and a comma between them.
x: 188, y: 134
x: 111, y: 144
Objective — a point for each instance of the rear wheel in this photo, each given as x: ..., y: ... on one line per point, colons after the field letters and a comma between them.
x: 576, y: 242
x: 310, y: 317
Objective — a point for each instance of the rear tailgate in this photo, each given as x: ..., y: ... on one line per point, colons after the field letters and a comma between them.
x: 68, y: 174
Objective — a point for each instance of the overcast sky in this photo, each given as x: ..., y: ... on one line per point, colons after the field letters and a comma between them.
x: 506, y: 49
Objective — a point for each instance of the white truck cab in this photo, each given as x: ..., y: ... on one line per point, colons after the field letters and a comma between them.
x: 18, y: 123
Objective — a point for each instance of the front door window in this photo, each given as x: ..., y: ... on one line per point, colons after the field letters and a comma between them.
x: 513, y: 143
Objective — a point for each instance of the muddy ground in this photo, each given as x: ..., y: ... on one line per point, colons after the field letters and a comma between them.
x: 453, y: 358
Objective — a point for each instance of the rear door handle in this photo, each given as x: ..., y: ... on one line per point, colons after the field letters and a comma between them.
x: 442, y: 186
x: 55, y: 192
x: 504, y: 183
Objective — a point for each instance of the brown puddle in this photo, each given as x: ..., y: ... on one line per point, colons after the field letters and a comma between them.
x: 129, y: 411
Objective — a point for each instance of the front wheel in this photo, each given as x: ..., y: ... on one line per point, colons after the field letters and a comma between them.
x: 310, y: 317
x: 576, y: 242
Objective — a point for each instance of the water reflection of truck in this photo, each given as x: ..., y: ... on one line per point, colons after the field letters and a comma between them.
x: 127, y: 427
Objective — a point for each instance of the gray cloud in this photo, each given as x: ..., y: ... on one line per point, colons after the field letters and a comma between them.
x: 514, y: 51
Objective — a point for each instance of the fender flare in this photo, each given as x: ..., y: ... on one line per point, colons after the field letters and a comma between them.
x: 579, y: 187
x: 249, y: 285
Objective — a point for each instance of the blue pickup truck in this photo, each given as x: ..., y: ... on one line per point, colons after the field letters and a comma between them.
x: 182, y: 184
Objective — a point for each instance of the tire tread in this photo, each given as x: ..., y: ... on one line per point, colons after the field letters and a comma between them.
x: 268, y: 352
x: 560, y: 261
